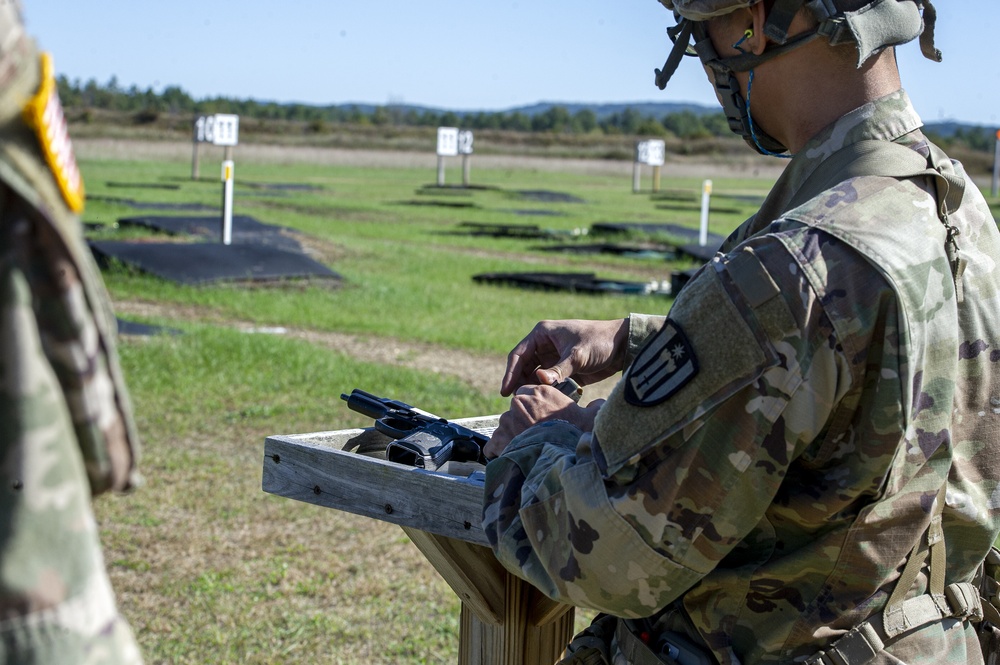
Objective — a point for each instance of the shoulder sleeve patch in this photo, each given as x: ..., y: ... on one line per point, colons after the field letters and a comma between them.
x: 44, y: 115
x: 665, y: 365
x: 710, y: 348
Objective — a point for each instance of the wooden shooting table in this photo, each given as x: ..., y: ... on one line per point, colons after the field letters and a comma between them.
x: 505, y: 621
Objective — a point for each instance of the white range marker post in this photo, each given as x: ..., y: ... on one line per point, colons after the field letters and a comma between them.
x: 996, y: 167
x: 706, y: 196
x: 227, y: 202
x: 447, y: 146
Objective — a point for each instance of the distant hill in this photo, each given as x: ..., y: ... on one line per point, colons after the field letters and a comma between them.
x: 946, y: 129
x: 602, y: 111
x: 653, y: 109
x: 950, y: 128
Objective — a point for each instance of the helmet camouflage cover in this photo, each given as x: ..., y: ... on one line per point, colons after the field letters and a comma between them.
x: 702, y: 10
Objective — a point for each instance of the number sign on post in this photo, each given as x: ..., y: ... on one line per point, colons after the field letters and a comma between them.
x: 447, y: 142
x: 451, y: 143
x: 649, y: 153
x: 221, y: 129
x: 465, y: 141
x: 226, y: 130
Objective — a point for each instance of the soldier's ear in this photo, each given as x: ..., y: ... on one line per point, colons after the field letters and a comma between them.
x: 757, y: 42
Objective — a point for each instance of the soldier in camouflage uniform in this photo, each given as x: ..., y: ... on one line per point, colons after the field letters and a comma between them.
x: 66, y: 430
x: 800, y: 461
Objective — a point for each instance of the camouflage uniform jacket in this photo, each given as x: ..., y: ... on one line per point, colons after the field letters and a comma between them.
x: 761, y: 473
x: 66, y: 428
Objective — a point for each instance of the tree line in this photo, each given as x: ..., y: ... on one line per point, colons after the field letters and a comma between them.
x: 149, y: 104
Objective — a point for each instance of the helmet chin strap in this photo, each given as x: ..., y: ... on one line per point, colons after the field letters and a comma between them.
x: 736, y: 108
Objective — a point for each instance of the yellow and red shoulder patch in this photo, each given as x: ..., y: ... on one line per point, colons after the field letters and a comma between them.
x: 44, y: 114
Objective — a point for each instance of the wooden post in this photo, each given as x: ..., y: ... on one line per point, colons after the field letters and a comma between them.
x: 440, y: 171
x: 636, y: 178
x: 656, y: 178
x: 196, y: 161
x: 466, y: 169
x: 505, y: 621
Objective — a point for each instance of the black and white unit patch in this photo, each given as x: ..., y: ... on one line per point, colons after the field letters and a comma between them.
x: 664, y: 365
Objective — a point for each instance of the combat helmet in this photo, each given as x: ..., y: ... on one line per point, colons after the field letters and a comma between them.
x: 872, y: 28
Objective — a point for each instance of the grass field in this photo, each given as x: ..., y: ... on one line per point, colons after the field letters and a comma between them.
x: 211, y: 570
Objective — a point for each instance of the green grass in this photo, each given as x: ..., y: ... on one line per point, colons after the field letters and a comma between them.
x: 406, y: 273
x: 208, y: 568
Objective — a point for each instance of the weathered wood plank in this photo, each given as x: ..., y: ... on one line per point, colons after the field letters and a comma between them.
x: 472, y: 572
x: 515, y: 641
x: 504, y: 620
x: 315, y: 469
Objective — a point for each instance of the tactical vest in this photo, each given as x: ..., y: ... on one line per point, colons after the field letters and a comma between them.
x: 929, y: 249
x: 915, y: 263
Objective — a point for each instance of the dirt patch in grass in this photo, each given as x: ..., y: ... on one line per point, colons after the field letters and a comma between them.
x: 481, y: 372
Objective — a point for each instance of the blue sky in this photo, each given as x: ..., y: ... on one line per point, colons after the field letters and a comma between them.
x: 448, y: 54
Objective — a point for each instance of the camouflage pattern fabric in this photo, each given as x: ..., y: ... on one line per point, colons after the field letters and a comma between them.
x: 769, y: 503
x: 66, y: 429
x: 704, y: 10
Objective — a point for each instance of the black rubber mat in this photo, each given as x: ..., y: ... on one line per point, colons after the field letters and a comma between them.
x: 143, y: 185
x: 687, y: 235
x: 537, y: 213
x: 470, y: 187
x: 440, y: 204
x: 546, y: 196
x: 136, y: 329
x: 203, y: 263
x: 282, y: 186
x: 150, y: 205
x: 662, y: 253
x: 699, y: 252
x: 246, y: 229
x: 502, y: 230
x: 577, y: 282
x: 695, y: 207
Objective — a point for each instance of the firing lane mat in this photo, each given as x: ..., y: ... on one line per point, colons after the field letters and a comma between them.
x: 688, y: 236
x: 246, y: 229
x: 205, y: 263
x: 576, y: 282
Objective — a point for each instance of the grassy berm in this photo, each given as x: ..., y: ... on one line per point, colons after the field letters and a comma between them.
x: 208, y: 568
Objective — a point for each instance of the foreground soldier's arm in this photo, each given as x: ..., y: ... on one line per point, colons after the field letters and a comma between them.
x: 66, y: 425
x: 629, y: 517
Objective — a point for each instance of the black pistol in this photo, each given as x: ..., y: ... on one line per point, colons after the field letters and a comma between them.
x: 419, y: 438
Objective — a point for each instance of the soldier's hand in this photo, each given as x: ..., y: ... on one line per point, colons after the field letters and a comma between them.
x: 587, y: 351
x: 535, y: 404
